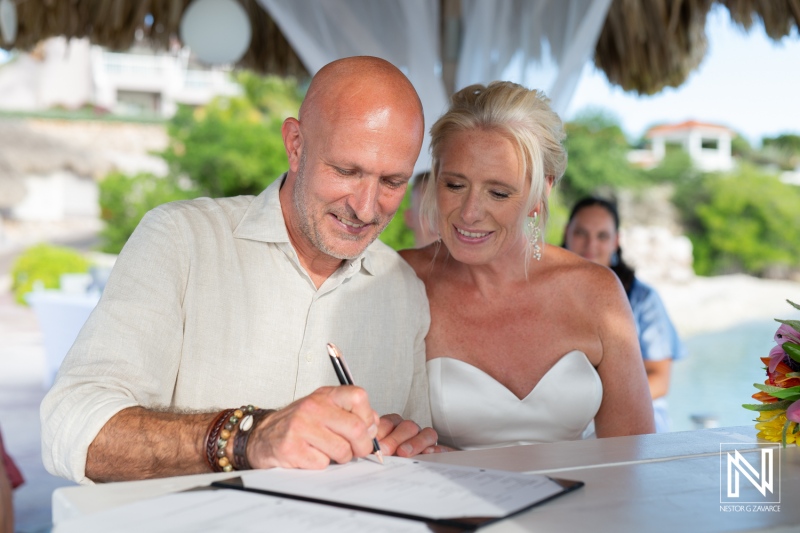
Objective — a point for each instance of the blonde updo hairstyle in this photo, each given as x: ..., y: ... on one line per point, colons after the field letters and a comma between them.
x: 524, y: 117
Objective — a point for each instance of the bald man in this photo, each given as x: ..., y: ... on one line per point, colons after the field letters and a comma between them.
x: 219, y: 304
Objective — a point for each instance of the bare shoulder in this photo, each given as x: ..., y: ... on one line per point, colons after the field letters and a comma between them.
x: 421, y: 259
x: 587, y: 281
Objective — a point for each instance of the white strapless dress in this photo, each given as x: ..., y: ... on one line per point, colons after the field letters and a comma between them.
x: 472, y: 410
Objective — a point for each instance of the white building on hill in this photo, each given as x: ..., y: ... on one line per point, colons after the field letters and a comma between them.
x: 72, y: 74
x: 709, y: 145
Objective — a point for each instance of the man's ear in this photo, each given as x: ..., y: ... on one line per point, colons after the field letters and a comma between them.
x: 292, y: 142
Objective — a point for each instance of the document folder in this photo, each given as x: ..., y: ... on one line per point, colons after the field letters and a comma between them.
x: 445, y: 497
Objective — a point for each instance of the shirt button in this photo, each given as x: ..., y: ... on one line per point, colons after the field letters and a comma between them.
x: 308, y: 357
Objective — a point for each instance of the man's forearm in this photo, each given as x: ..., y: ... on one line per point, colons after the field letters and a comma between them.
x: 138, y: 444
x: 332, y: 423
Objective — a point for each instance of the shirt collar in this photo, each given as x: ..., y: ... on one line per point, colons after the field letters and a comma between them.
x: 263, y: 221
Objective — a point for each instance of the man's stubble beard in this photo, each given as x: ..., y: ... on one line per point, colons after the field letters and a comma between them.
x: 309, y: 227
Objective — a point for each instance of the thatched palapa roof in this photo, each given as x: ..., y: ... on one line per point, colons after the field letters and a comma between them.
x: 645, y: 45
x: 114, y: 24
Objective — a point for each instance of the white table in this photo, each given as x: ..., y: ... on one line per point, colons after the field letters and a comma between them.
x: 666, y: 482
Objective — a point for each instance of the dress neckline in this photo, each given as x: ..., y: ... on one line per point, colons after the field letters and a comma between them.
x: 500, y: 386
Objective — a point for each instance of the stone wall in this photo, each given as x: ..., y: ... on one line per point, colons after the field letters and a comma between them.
x: 53, y: 166
x: 651, y: 235
x: 122, y: 146
x: 657, y: 254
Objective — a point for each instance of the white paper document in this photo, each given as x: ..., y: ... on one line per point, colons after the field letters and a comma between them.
x: 418, y: 488
x: 415, y: 489
x: 218, y: 511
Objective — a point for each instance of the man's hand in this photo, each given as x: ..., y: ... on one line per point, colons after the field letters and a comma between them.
x: 404, y: 437
x: 330, y: 424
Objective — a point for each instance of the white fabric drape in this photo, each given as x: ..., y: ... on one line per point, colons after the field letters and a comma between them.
x: 541, y: 44
x: 404, y: 32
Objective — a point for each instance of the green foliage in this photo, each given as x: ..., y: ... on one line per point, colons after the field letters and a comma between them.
x: 397, y: 234
x: 44, y: 263
x: 227, y: 148
x: 741, y: 148
x: 124, y: 200
x: 676, y: 167
x: 273, y: 96
x: 231, y: 146
x: 557, y: 220
x: 780, y: 152
x: 787, y: 141
x: 784, y: 150
x: 597, y: 150
x: 743, y: 222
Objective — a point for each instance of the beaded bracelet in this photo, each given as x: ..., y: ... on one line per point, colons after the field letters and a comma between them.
x: 242, y: 436
x: 220, y: 433
x: 212, y: 436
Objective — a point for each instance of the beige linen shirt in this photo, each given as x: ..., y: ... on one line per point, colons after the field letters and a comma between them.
x: 208, y: 308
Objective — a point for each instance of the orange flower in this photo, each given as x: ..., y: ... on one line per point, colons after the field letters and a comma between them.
x: 764, y: 397
x: 778, y: 377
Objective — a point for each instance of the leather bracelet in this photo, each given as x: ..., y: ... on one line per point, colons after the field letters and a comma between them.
x: 240, y: 440
x: 212, y: 437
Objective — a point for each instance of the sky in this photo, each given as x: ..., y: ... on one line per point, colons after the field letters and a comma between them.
x: 746, y: 82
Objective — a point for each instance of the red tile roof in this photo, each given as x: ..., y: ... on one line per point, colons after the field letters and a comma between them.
x: 685, y: 126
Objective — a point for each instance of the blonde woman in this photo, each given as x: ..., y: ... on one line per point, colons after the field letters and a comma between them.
x: 528, y: 342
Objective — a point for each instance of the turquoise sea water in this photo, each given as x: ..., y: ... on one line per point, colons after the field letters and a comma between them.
x: 717, y: 376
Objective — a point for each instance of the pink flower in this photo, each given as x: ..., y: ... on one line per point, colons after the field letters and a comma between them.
x: 776, y: 355
x: 793, y: 412
x: 786, y: 333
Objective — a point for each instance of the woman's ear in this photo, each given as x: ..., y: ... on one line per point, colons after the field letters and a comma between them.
x: 548, y: 183
x: 548, y: 186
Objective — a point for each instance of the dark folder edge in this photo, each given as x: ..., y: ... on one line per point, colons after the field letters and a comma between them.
x: 441, y: 525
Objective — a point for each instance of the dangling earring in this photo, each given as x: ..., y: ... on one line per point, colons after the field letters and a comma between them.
x: 614, y: 259
x: 534, y: 235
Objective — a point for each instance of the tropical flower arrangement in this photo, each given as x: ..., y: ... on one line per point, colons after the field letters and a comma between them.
x: 779, y: 411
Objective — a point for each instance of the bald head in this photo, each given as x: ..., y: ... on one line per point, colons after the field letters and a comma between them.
x: 360, y: 87
x: 351, y: 152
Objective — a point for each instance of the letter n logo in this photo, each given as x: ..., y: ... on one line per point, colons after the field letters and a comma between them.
x: 737, y: 464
